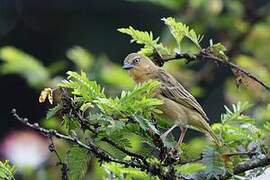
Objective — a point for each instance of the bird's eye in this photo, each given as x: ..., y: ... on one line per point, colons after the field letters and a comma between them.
x: 137, y: 60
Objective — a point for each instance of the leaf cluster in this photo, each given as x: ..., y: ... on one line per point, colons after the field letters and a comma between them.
x: 88, y: 102
x: 7, y: 171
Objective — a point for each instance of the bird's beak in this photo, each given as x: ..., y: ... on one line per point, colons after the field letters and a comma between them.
x: 127, y: 66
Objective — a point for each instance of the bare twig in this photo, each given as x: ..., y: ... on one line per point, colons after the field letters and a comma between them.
x: 64, y: 168
x: 206, y: 55
x: 248, y: 153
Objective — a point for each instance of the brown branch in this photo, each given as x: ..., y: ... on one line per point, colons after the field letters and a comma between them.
x: 248, y: 153
x: 248, y: 165
x: 206, y: 55
x: 64, y: 168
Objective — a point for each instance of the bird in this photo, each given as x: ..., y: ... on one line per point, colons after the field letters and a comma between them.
x: 178, y: 104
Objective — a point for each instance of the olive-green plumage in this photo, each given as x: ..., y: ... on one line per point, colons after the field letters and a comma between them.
x: 178, y: 104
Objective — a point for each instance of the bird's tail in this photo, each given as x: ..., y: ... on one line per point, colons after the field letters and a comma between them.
x: 212, y: 135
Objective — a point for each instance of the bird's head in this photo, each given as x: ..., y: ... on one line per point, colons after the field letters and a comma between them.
x: 137, y: 61
x: 138, y: 66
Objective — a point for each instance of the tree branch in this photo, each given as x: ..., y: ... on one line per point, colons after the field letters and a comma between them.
x: 248, y: 165
x: 205, y: 54
x: 64, y: 168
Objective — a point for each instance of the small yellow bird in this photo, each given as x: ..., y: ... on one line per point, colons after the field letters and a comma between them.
x: 178, y: 104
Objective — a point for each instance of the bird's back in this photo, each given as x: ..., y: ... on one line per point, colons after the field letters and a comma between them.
x: 173, y: 90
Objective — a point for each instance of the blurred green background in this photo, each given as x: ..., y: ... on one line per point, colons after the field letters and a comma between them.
x: 41, y: 40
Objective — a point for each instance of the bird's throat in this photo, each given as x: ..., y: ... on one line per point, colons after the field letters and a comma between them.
x: 140, y: 76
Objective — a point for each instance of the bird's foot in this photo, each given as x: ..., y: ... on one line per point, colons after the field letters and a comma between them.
x: 174, y: 153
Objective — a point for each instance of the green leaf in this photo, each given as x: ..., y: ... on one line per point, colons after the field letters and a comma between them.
x: 114, y: 75
x: 145, y: 124
x: 70, y: 123
x: 139, y: 100
x: 151, y: 45
x: 236, y: 113
x: 190, y: 168
x: 81, y: 57
x: 180, y: 31
x: 77, y: 160
x: 52, y: 112
x: 193, y: 149
x: 129, y: 173
x: 214, y: 165
x: 218, y: 50
x: 18, y: 62
x: 82, y: 87
x: 141, y: 37
x: 7, y: 171
x: 267, y: 126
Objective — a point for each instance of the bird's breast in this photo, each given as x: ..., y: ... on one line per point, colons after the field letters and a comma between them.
x: 173, y: 111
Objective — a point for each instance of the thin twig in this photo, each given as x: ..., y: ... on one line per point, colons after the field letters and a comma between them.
x: 64, y: 168
x: 205, y: 55
x: 248, y: 153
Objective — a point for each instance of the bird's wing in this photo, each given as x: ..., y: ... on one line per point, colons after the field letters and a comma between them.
x: 174, y: 91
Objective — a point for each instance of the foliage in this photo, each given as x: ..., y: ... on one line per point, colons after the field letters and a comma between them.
x: 180, y: 30
x: 117, y: 118
x: 81, y: 57
x: 151, y: 45
x: 16, y: 61
x: 116, y: 171
x: 77, y: 160
x: 110, y: 113
x: 82, y: 87
x: 170, y: 4
x: 7, y: 171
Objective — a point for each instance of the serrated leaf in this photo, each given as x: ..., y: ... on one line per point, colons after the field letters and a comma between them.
x: 77, y: 160
x: 129, y: 173
x: 180, y: 31
x: 82, y: 87
x: 70, y: 123
x: 17, y: 61
x: 52, y: 112
x: 81, y: 57
x: 230, y: 116
x: 190, y: 168
x: 7, y: 171
x: 215, y: 166
x: 145, y: 124
x: 218, y: 50
x: 86, y: 106
x: 151, y: 45
x: 267, y: 126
